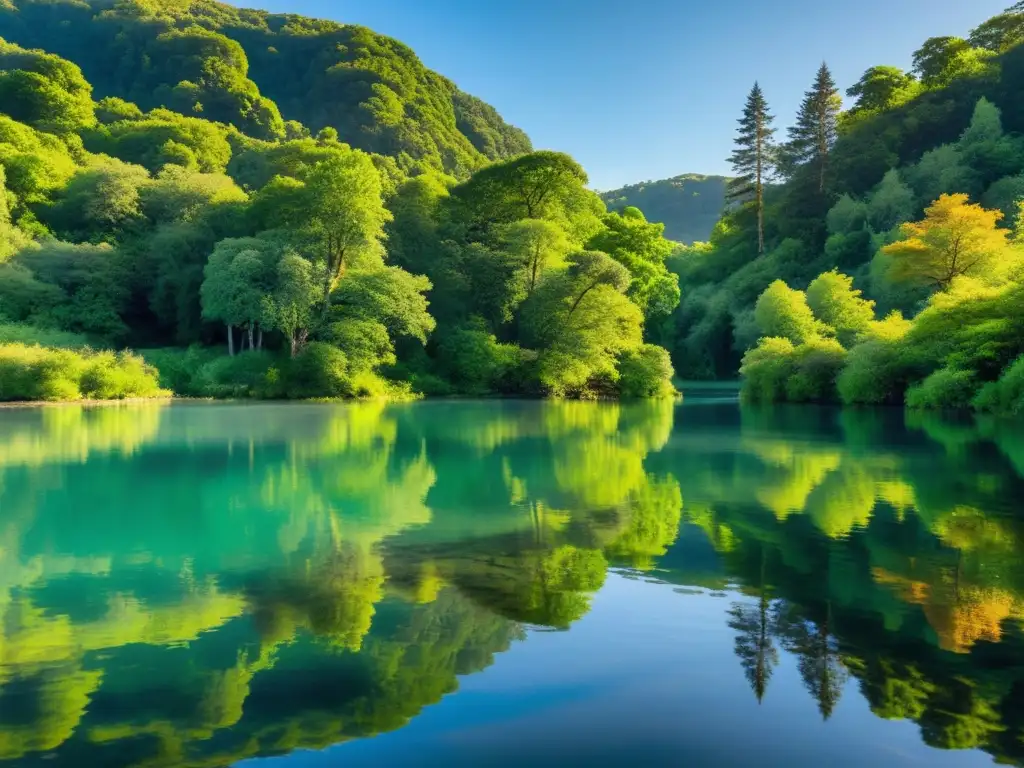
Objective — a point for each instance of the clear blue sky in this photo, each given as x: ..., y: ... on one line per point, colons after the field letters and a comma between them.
x: 651, y: 88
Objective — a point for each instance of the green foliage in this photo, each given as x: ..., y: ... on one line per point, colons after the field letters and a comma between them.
x: 329, y: 247
x: 246, y: 69
x: 943, y: 59
x: 640, y: 248
x: 945, y: 388
x: 30, y: 335
x: 1000, y: 33
x: 813, y: 135
x: 784, y: 313
x: 776, y: 370
x: 688, y: 205
x: 646, y: 372
x: 1004, y: 396
x: 891, y: 203
x: 477, y: 363
x: 248, y: 374
x: 581, y: 321
x: 43, y: 90
x: 542, y: 185
x: 766, y: 368
x: 36, y: 164
x: 319, y: 371
x: 834, y: 301
x: 179, y: 368
x: 876, y: 373
x: 816, y: 366
x: 162, y: 137
x: 389, y: 295
x: 42, y: 373
x: 881, y: 88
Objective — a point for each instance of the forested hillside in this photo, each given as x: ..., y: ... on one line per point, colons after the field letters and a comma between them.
x: 688, y: 205
x: 271, y: 206
x: 265, y: 74
x: 899, y: 216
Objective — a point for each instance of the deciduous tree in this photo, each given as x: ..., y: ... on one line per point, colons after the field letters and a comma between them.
x: 955, y: 238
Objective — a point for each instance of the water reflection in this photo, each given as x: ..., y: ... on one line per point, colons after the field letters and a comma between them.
x: 193, y: 585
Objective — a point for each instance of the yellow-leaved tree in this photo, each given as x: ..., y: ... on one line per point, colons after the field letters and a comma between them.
x: 955, y: 238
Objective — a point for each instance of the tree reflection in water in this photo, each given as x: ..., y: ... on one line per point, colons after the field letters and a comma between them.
x: 297, y: 576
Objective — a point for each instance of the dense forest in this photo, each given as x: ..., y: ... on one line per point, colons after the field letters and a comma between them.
x: 272, y: 206
x: 873, y: 255
x: 688, y: 205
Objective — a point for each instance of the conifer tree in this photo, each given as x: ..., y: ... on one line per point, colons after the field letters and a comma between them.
x: 817, y: 125
x: 752, y: 160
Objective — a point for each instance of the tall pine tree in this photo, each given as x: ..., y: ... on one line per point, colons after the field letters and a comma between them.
x: 752, y: 158
x: 817, y: 124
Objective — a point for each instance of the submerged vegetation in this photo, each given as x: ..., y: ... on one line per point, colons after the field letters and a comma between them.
x: 180, y: 179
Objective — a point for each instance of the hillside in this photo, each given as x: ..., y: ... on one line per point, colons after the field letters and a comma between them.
x: 400, y: 241
x: 259, y: 71
x: 688, y: 205
x: 885, y: 263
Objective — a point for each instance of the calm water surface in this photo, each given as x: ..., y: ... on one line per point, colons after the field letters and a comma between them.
x: 506, y: 583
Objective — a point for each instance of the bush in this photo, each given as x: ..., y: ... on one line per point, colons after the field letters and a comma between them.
x: 646, y: 372
x: 765, y: 370
x: 782, y: 312
x: 179, y: 368
x: 946, y: 388
x: 817, y: 364
x: 247, y: 374
x: 320, y: 370
x: 18, y: 333
x: 1005, y: 396
x: 875, y: 374
x: 110, y: 376
x: 42, y: 373
x: 478, y: 363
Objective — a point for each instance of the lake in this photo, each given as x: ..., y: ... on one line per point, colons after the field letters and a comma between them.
x: 509, y: 583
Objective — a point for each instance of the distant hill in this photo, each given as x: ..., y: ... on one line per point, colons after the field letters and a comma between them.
x: 688, y: 205
x: 256, y: 70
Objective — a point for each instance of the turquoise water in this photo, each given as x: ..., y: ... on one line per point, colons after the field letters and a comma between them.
x: 509, y: 583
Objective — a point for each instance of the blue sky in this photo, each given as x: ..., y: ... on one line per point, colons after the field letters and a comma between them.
x: 648, y: 89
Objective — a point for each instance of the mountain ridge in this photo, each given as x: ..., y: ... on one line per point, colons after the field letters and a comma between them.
x: 688, y: 204
x: 267, y: 73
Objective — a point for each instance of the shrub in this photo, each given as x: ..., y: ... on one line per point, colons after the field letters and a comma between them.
x: 646, y: 372
x: 971, y: 327
x: 816, y: 366
x: 41, y: 373
x: 19, y: 333
x: 247, y: 374
x: 835, y: 302
x: 945, y: 388
x: 478, y: 363
x: 179, y: 368
x: 320, y: 370
x: 875, y: 373
x: 110, y: 376
x: 766, y: 369
x: 780, y: 311
x: 1005, y: 396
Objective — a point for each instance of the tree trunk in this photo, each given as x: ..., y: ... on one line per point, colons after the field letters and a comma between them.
x: 231, y: 340
x: 293, y: 342
x: 259, y: 340
x: 759, y: 184
x: 251, y: 347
